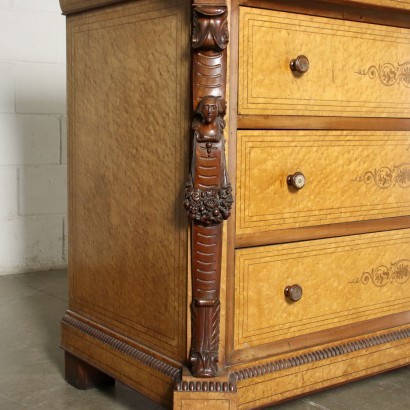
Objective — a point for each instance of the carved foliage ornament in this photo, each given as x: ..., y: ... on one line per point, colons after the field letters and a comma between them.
x: 389, y: 74
x: 210, y: 206
x: 210, y: 28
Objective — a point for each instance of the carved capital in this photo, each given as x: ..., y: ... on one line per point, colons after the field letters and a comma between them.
x: 210, y: 28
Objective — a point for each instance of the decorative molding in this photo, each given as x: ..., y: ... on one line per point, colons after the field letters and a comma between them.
x: 389, y: 74
x: 386, y: 177
x: 318, y: 355
x: 206, y: 386
x: 124, y: 348
x: 398, y: 272
x: 208, y: 193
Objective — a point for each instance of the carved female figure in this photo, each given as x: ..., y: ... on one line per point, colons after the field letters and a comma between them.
x: 208, y: 124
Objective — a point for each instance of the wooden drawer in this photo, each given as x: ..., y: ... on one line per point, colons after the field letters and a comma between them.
x: 350, y: 176
x: 344, y: 280
x: 356, y: 69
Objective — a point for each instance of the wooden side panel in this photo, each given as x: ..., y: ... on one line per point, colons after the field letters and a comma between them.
x: 128, y: 148
x: 347, y: 178
x: 344, y: 280
x: 356, y: 69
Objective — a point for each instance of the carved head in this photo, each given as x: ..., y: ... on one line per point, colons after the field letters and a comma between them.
x: 210, y: 107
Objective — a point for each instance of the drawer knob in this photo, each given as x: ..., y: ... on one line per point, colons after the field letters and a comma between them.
x: 299, y: 64
x: 297, y: 180
x: 294, y: 292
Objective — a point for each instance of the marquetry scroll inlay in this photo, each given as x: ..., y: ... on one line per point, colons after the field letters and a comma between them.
x: 397, y: 272
x: 389, y: 74
x: 208, y: 193
x: 386, y: 177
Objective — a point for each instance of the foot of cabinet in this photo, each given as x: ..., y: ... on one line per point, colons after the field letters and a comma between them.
x: 83, y: 376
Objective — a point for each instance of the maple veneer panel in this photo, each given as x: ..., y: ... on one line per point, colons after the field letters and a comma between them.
x: 344, y: 280
x: 356, y: 69
x: 350, y: 176
x: 128, y: 230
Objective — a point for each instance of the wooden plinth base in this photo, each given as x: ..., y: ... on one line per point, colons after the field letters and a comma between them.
x: 246, y: 386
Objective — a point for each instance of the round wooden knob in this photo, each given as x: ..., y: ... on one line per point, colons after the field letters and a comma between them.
x: 294, y: 292
x: 299, y: 64
x: 297, y: 180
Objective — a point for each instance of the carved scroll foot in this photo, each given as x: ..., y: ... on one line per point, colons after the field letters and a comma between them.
x: 204, y: 348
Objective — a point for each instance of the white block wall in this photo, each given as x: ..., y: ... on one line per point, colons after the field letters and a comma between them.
x: 33, y: 169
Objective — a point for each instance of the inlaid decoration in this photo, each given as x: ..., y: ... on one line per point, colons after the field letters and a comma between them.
x: 389, y: 74
x: 397, y: 272
x: 386, y: 177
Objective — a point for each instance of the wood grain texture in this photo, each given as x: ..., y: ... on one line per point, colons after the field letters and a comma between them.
x: 117, y: 363
x: 400, y: 4
x: 121, y: 344
x: 266, y: 122
x: 347, y: 179
x: 130, y: 105
x: 373, y: 81
x: 344, y: 280
x: 127, y: 165
x: 395, y: 16
x: 320, y: 232
x: 316, y: 369
x: 332, y: 335
x: 317, y: 355
x: 73, y: 6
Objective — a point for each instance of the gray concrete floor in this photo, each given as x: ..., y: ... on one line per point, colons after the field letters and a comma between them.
x: 31, y: 362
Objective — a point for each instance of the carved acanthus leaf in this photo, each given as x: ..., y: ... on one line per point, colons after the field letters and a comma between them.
x: 210, y: 28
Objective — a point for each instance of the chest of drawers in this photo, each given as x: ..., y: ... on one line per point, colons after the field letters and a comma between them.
x: 283, y: 130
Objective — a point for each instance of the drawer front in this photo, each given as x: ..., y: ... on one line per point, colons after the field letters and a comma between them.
x: 344, y: 280
x: 350, y: 176
x: 355, y: 69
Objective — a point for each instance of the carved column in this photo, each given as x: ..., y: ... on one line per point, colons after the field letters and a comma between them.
x: 208, y: 194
